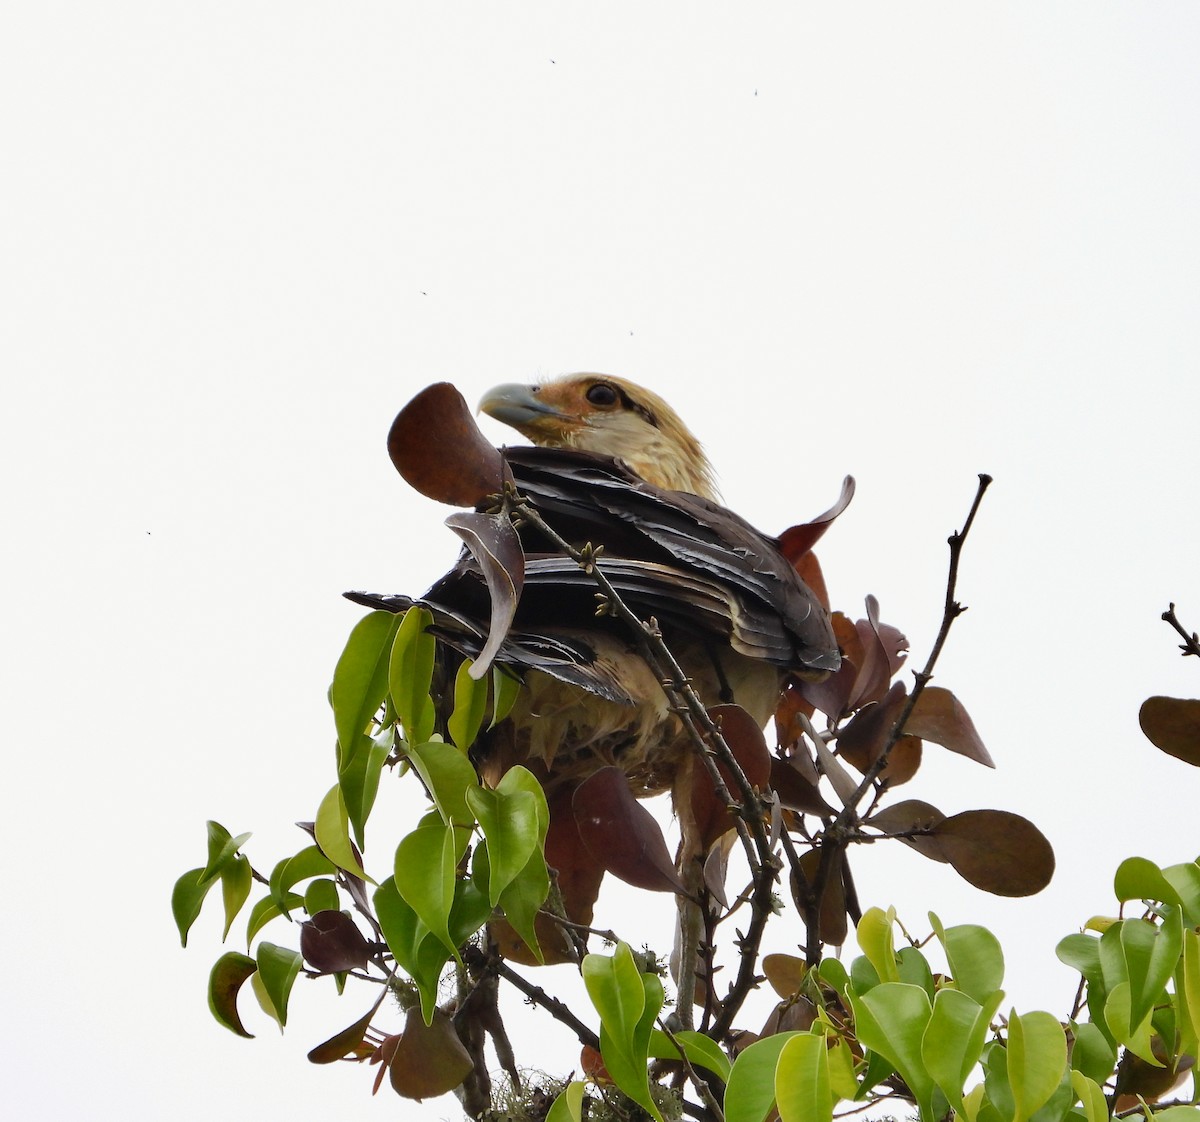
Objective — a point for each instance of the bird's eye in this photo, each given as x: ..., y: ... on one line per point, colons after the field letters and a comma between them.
x: 602, y: 394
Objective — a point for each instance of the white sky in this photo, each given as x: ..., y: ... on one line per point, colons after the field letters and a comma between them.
x: 909, y: 243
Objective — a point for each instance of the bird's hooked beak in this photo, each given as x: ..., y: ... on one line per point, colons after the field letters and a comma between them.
x: 520, y: 406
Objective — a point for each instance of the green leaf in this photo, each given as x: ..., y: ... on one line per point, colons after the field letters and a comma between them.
x: 1151, y: 954
x: 359, y: 778
x: 1185, y: 879
x: 410, y: 673
x: 425, y: 866
x: 1092, y: 1054
x: 277, y: 970
x: 236, y: 880
x: 974, y: 956
x: 332, y: 830
x: 568, y: 1107
x: 505, y: 688
x: 1140, y: 879
x: 1037, y: 1059
x: 524, y: 897
x: 1091, y: 1096
x: 360, y: 680
x: 700, y: 1050
x: 448, y: 775
x: 226, y: 978
x: 266, y: 910
x: 802, y: 1092
x: 1135, y: 1035
x: 510, y: 823
x: 1187, y: 993
x: 750, y: 1091
x: 891, y: 1019
x: 875, y: 939
x: 953, y: 1041
x: 187, y: 898
x: 321, y: 896
x: 913, y: 968
x: 221, y: 848
x: 418, y: 953
x: 522, y: 779
x: 309, y: 862
x: 470, y: 706
x: 627, y: 1001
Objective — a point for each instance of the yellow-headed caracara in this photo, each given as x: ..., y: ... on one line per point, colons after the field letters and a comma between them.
x: 616, y: 468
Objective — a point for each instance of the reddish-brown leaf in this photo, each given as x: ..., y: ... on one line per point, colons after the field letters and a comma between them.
x: 787, y: 714
x: 864, y: 735
x: 383, y: 1057
x: 496, y: 547
x: 749, y: 748
x: 911, y: 814
x: 1172, y: 724
x: 796, y: 541
x: 790, y: 1016
x: 436, y: 445
x: 621, y: 834
x: 883, y: 654
x: 331, y: 942
x: 785, y: 972
x: 997, y: 851
x: 832, y: 695
x: 795, y: 790
x: 832, y: 927
x: 579, y: 874
x: 349, y: 1040
x: 592, y: 1064
x: 940, y: 717
x: 430, y: 1059
x: 555, y: 944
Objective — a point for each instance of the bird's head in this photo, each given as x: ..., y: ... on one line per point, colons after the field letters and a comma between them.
x: 611, y: 417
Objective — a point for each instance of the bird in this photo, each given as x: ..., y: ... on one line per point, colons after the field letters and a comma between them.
x: 614, y: 465
x: 615, y: 470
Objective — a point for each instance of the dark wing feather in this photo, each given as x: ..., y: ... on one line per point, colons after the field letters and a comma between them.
x: 695, y: 566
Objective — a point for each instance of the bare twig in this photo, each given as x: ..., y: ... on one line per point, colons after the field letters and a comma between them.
x: 835, y: 836
x: 480, y: 962
x: 1191, y: 643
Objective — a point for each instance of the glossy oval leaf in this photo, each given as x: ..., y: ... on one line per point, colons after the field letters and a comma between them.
x: 974, y: 957
x: 228, y: 974
x: 236, y: 880
x: 802, y: 1089
x: 997, y: 851
x: 470, y: 706
x: 940, y: 717
x: 187, y: 898
x: 435, y: 444
x: 277, y: 970
x: 360, y: 679
x: 424, y: 876
x: 568, y: 1106
x: 330, y: 942
x: 750, y: 1092
x: 891, y: 1019
x: 875, y: 937
x: 700, y: 1050
x: 430, y: 1059
x: 332, y: 831
x: 621, y: 834
x: 510, y: 822
x: 1138, y: 878
x: 953, y: 1041
x: 448, y: 775
x: 1172, y: 724
x: 1037, y: 1059
x: 410, y: 674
